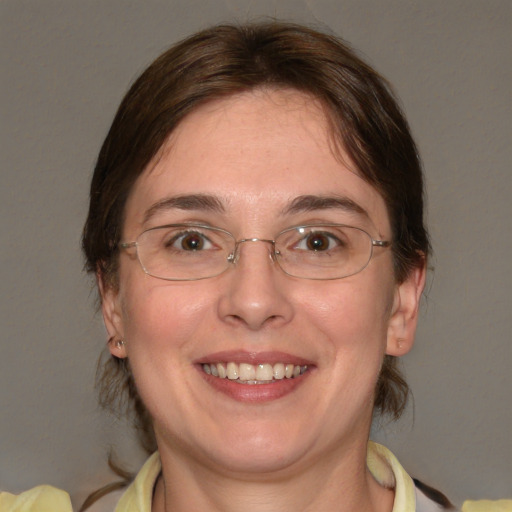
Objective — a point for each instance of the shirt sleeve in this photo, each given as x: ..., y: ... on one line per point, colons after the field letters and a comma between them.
x: 487, y: 506
x: 43, y: 498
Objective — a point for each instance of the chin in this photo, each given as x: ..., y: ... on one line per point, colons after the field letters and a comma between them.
x: 257, y: 449
x: 251, y: 460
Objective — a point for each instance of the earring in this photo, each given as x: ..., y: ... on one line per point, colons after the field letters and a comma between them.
x: 116, y: 342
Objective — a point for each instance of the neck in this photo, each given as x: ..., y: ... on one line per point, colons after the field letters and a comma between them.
x: 340, y: 482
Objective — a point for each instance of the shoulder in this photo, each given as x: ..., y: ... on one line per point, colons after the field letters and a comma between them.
x: 487, y: 506
x: 410, y: 495
x: 106, y: 503
x: 137, y: 497
x: 43, y: 498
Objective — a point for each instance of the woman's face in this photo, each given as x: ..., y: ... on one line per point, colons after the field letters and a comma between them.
x: 253, y: 156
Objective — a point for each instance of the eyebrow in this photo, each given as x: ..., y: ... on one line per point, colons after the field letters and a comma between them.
x: 201, y: 202
x: 209, y: 203
x: 308, y: 203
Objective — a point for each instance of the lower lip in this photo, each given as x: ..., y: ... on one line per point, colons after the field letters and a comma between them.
x: 255, y: 393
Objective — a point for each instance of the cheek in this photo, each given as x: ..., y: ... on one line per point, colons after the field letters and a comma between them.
x: 163, y: 324
x: 350, y: 311
x: 349, y: 321
x: 351, y: 318
x: 161, y: 316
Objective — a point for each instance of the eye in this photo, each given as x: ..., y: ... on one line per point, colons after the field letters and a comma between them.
x: 189, y: 241
x: 318, y: 242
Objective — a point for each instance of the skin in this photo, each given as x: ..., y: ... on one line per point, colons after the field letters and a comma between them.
x: 256, y: 152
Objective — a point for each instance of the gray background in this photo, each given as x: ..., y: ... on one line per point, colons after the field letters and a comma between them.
x: 65, y: 66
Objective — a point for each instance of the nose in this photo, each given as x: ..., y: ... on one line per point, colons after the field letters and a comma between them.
x: 255, y: 293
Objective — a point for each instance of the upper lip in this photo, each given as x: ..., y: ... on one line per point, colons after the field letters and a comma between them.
x: 238, y: 356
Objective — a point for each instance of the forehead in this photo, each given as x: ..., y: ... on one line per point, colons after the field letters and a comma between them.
x: 255, y: 152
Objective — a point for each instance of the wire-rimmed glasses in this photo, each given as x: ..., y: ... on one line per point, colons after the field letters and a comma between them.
x: 189, y: 252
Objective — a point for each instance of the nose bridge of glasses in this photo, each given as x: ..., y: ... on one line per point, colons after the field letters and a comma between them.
x: 235, y: 255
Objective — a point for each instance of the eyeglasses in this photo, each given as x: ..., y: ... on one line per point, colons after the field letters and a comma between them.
x: 189, y: 252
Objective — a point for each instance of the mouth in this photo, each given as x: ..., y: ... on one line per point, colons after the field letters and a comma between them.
x: 255, y: 377
x: 254, y: 374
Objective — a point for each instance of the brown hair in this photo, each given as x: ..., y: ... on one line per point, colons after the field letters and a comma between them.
x: 363, y: 113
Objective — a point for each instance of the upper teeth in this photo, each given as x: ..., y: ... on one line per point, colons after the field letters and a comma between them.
x: 246, y: 372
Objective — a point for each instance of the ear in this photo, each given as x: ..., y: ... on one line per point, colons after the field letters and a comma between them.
x: 404, y: 316
x: 112, y: 317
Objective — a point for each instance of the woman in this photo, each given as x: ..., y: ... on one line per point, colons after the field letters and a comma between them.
x: 256, y: 229
x: 256, y: 348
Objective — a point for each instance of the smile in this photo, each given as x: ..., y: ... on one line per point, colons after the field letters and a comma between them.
x: 246, y: 373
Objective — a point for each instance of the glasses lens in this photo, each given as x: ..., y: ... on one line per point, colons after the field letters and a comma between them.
x: 184, y: 252
x: 323, y: 251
